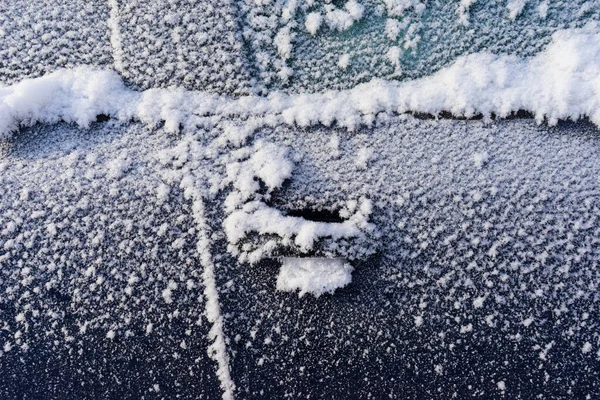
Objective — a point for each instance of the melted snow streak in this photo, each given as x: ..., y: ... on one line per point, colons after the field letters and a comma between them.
x: 558, y: 84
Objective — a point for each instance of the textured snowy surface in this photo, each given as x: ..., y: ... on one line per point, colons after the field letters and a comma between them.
x: 97, y: 265
x: 313, y: 275
x: 559, y: 83
x: 40, y: 36
x: 429, y: 35
x: 257, y: 46
x: 488, y: 239
x: 484, y: 268
x: 191, y: 44
x: 141, y: 226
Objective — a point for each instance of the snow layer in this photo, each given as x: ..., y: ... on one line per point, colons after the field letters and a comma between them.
x: 432, y: 33
x: 93, y: 264
x: 484, y: 230
x: 229, y: 46
x: 560, y: 83
x: 483, y: 227
x: 248, y: 213
x: 342, y: 20
x: 398, y: 7
x: 316, y: 276
x: 257, y: 217
x: 41, y: 36
x: 489, y: 239
x: 192, y: 43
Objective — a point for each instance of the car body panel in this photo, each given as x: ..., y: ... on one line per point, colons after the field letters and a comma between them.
x: 483, y: 267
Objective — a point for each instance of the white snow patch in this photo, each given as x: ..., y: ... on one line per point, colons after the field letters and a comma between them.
x: 344, y: 61
x: 418, y: 321
x: 257, y: 217
x: 542, y: 9
x: 313, y: 275
x: 51, y: 229
x: 355, y: 9
x: 528, y: 321
x: 268, y: 163
x: 515, y: 7
x: 559, y: 83
x: 116, y: 39
x: 393, y: 55
x: 118, y: 167
x: 393, y: 27
x: 478, y: 302
x: 398, y: 7
x: 162, y: 192
x: 167, y: 293
x: 285, y: 73
x: 587, y: 347
x: 237, y: 134
x: 248, y: 212
x: 283, y: 42
x: 463, y: 11
x: 341, y: 20
x: 289, y: 10
x: 76, y: 95
x: 313, y: 22
x: 365, y: 154
x: 479, y: 159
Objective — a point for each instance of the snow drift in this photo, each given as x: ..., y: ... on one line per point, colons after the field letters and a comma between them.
x: 563, y: 82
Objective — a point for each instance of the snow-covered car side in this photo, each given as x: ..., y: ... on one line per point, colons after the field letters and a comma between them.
x: 303, y: 199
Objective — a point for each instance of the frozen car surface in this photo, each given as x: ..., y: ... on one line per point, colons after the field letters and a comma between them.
x: 41, y: 36
x: 218, y: 200
x: 95, y: 254
x: 475, y: 278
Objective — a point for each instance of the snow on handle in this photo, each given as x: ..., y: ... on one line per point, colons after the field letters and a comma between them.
x: 558, y: 84
x: 246, y: 211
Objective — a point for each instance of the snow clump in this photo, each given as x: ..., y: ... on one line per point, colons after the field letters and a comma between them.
x: 248, y: 211
x: 313, y: 275
x: 341, y: 20
x: 558, y: 84
x: 313, y: 22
